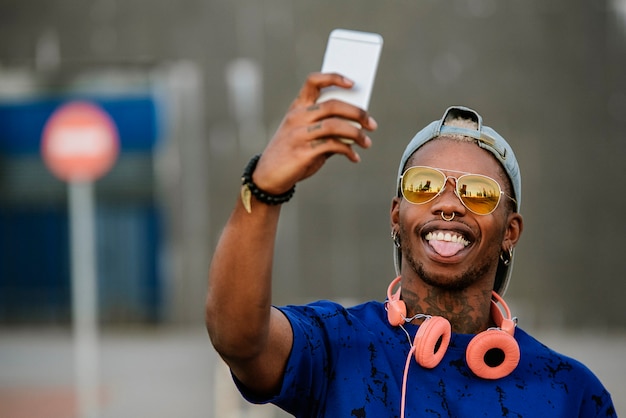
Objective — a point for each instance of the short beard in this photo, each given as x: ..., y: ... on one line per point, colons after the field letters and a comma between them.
x: 448, y: 283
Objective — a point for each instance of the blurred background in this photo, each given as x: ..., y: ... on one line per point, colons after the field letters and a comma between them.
x: 197, y: 87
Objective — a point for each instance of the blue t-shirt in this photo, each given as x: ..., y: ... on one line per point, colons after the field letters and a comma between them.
x: 350, y: 363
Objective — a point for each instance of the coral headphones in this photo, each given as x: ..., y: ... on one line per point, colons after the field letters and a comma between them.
x: 491, y: 354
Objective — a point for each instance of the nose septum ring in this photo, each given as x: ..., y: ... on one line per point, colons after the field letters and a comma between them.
x: 447, y: 219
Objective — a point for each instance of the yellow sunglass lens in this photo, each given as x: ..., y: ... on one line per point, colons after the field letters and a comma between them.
x: 420, y: 184
x: 479, y: 194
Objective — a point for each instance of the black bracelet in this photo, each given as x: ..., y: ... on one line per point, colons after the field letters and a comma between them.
x: 249, y: 188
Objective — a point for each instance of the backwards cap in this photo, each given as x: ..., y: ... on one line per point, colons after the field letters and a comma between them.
x: 486, y: 138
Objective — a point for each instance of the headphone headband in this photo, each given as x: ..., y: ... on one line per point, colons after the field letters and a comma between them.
x: 505, y: 323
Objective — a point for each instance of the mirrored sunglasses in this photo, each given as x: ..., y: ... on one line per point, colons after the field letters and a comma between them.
x: 480, y: 194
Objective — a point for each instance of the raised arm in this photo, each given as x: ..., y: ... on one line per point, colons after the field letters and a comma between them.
x: 252, y: 337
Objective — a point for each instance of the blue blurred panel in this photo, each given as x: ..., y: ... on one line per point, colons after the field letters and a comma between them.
x: 34, y: 240
x: 22, y: 121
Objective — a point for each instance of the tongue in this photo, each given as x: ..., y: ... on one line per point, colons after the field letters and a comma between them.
x: 446, y: 248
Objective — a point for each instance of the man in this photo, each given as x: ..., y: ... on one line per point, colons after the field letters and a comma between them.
x: 439, y: 345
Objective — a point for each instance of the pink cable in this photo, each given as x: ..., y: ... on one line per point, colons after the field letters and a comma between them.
x: 404, y: 380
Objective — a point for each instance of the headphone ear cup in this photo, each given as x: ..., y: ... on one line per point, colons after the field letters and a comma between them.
x: 396, y: 312
x: 492, y: 354
x: 431, y: 341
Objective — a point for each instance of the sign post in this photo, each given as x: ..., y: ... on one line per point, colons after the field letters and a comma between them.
x: 79, y: 145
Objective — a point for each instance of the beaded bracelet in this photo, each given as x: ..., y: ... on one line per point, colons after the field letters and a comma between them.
x: 248, y: 189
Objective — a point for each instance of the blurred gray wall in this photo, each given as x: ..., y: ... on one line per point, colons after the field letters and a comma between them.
x: 549, y: 76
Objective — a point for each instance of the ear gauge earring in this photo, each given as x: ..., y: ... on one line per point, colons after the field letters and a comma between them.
x: 394, y: 237
x: 507, y: 256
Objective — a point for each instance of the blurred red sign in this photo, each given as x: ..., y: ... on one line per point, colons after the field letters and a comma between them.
x: 80, y: 142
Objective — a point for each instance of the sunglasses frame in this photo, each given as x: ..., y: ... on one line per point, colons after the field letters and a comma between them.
x: 456, y: 183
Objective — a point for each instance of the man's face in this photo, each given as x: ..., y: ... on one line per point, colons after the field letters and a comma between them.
x: 441, y: 263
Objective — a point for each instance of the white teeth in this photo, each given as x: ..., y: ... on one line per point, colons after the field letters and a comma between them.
x: 449, y: 237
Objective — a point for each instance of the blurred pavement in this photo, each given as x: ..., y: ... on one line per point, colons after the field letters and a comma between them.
x: 165, y: 372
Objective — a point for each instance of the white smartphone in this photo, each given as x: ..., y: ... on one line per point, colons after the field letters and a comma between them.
x: 354, y: 55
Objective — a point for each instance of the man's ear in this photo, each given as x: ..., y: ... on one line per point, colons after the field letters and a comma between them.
x: 394, y: 215
x: 515, y: 226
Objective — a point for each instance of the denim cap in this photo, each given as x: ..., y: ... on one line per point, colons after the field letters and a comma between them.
x: 486, y: 138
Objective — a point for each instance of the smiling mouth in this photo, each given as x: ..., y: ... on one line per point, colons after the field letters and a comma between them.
x: 446, y: 244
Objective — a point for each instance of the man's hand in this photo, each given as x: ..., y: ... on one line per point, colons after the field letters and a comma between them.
x: 310, y: 133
